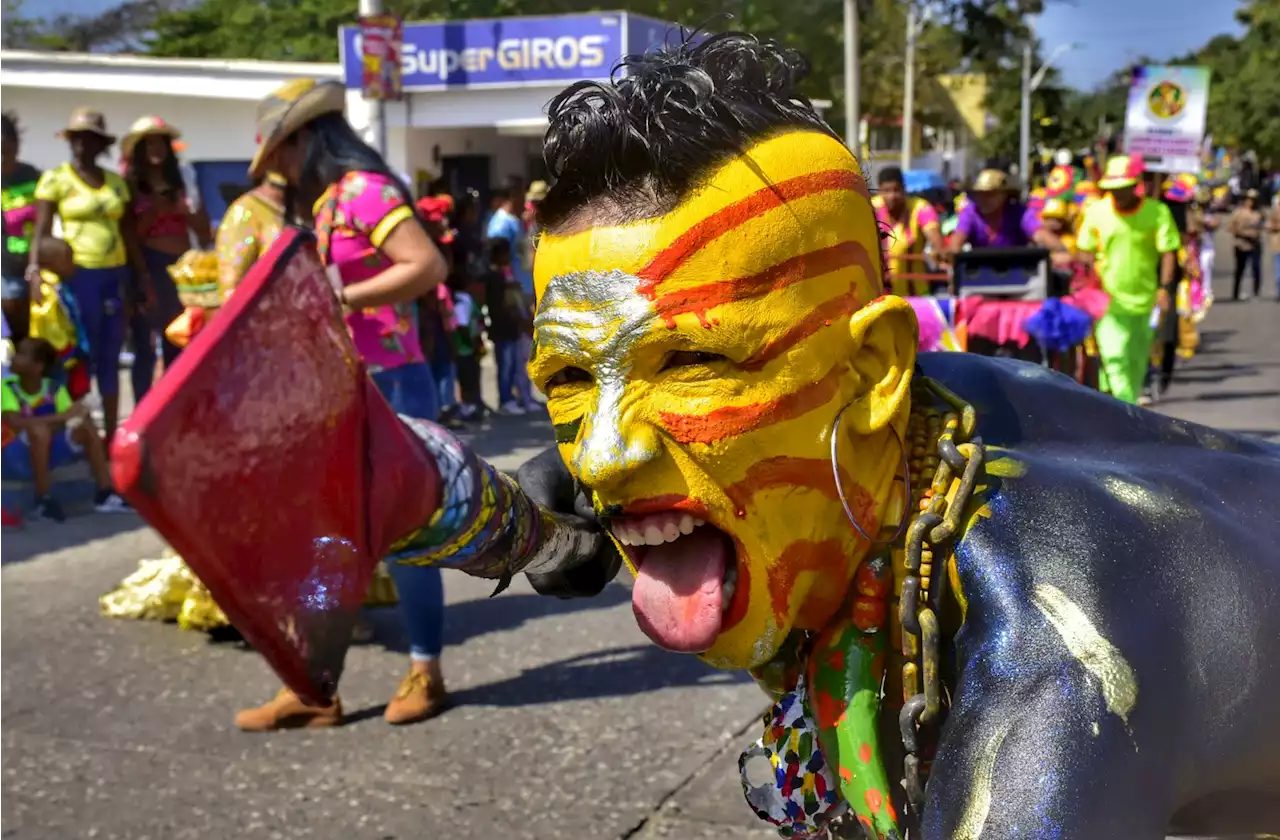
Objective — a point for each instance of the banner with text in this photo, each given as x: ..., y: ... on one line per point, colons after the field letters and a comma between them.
x: 380, y: 40
x: 498, y: 52
x: 1165, y: 119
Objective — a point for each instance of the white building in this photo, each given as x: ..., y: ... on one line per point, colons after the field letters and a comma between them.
x: 212, y: 102
x: 473, y: 109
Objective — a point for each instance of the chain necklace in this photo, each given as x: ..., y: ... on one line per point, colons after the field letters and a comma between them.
x: 942, y: 483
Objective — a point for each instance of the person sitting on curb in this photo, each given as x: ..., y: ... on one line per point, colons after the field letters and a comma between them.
x: 44, y: 430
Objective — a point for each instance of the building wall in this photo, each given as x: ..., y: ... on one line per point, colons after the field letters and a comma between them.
x: 213, y: 129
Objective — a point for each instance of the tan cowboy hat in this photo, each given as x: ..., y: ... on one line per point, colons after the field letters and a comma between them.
x: 288, y: 109
x: 87, y: 121
x: 993, y: 180
x: 143, y: 127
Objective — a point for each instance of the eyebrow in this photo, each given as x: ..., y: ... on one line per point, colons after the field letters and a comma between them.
x: 735, y: 215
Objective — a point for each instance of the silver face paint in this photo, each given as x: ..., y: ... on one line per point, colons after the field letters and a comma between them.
x: 601, y: 341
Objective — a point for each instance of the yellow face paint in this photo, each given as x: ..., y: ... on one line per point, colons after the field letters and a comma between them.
x: 694, y: 364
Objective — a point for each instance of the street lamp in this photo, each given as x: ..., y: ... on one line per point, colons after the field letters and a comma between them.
x: 1031, y: 83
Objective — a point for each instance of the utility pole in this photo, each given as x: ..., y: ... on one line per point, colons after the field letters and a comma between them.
x: 1024, y: 133
x: 1030, y: 84
x: 852, y: 81
x: 376, y: 132
x: 909, y: 93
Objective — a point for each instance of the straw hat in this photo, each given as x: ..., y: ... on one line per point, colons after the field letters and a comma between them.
x: 537, y: 191
x: 1122, y: 171
x: 288, y: 109
x: 143, y: 127
x: 993, y: 180
x: 87, y: 121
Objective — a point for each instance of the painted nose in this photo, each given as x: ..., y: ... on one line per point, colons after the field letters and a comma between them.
x: 613, y: 447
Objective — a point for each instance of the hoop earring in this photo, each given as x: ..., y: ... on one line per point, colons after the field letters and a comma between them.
x: 844, y: 501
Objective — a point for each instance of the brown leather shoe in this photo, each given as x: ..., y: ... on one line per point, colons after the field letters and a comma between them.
x: 421, y: 695
x: 286, y: 711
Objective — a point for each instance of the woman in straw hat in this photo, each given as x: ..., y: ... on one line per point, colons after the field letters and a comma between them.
x: 165, y: 218
x: 94, y: 207
x: 367, y: 229
x: 994, y: 218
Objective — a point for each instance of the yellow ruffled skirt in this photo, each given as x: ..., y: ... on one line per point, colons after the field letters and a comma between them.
x: 165, y: 589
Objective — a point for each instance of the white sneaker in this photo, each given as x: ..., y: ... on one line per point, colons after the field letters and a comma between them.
x: 112, y: 503
x: 512, y: 408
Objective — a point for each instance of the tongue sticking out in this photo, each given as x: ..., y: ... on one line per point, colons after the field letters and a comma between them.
x: 678, y: 591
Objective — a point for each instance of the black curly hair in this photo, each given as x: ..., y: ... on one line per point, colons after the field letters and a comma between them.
x: 634, y: 147
x: 9, y: 125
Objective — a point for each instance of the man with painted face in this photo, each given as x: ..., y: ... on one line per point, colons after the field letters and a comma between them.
x: 1056, y: 607
x: 743, y: 409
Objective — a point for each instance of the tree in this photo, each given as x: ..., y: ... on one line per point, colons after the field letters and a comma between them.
x: 118, y: 29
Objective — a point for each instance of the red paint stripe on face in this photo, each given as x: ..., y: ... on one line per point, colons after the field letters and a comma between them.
x: 801, y: 556
x: 784, y: 471
x: 832, y: 310
x: 701, y: 299
x: 732, y: 421
x: 738, y: 213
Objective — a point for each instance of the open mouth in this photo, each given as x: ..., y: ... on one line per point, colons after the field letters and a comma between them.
x: 686, y: 577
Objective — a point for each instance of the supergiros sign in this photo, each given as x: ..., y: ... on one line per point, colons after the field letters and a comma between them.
x: 511, y: 51
x: 511, y: 55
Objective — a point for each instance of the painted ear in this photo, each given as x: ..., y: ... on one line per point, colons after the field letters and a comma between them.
x: 885, y: 337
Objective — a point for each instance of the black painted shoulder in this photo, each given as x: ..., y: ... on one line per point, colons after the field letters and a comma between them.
x: 1024, y: 406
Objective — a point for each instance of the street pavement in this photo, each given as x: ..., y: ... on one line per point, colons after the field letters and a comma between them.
x: 566, y: 722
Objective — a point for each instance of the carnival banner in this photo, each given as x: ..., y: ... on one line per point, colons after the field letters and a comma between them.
x: 1165, y: 119
x: 380, y: 40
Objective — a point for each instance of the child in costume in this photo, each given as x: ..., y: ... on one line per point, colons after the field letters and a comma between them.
x: 45, y: 429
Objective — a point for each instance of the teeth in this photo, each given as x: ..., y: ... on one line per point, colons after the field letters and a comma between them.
x: 655, y: 529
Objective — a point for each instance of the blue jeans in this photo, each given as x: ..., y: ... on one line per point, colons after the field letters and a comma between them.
x: 442, y: 370
x: 411, y: 391
x: 146, y: 327
x: 1275, y: 267
x: 513, y: 372
x: 98, y: 296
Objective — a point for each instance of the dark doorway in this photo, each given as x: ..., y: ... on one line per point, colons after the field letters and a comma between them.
x: 221, y: 182
x: 463, y: 172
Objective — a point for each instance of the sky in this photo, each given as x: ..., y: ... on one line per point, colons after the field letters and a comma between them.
x: 1110, y: 34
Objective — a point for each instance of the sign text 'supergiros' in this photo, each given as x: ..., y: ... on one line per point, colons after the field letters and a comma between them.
x: 564, y: 53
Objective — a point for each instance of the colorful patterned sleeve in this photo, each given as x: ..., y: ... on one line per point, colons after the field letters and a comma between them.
x: 926, y: 216
x: 374, y: 206
x: 237, y: 248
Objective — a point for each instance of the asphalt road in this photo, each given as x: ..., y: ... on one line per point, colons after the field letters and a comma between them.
x: 567, y: 723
